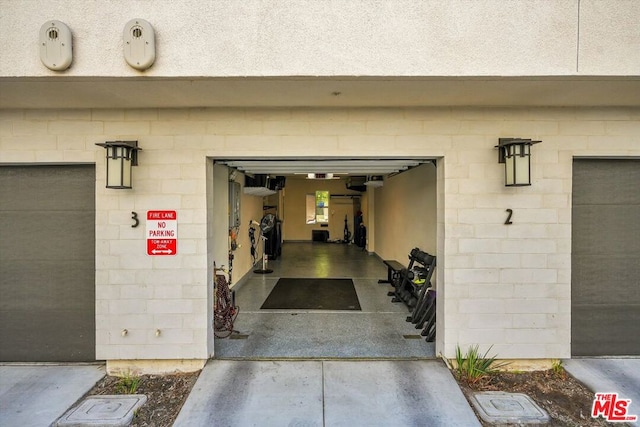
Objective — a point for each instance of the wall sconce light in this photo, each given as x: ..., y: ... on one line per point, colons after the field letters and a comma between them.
x: 515, y: 153
x: 121, y: 156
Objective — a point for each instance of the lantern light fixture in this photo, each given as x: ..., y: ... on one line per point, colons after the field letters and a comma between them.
x: 121, y: 156
x: 515, y: 153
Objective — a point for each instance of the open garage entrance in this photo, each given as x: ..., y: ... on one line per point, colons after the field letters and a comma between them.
x: 398, y: 209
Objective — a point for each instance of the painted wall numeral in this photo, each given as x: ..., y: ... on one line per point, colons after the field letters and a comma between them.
x: 136, y: 221
x: 508, y: 221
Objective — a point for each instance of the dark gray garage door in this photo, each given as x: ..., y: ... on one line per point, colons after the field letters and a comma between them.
x: 47, y: 263
x: 605, y: 262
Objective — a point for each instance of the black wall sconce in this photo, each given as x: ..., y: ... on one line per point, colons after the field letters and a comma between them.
x: 121, y: 156
x: 515, y: 153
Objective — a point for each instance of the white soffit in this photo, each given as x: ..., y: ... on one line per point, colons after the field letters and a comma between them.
x: 286, y: 92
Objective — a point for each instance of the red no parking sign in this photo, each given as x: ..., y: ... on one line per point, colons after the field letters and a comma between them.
x: 162, y: 232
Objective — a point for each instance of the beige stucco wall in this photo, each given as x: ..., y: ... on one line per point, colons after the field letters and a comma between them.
x: 335, y: 38
x: 506, y: 286
x: 294, y: 212
x: 250, y: 209
x: 406, y: 215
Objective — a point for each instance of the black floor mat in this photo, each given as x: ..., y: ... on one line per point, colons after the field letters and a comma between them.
x: 313, y: 294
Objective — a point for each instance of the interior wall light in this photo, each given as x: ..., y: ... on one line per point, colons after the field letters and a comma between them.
x: 515, y: 153
x: 319, y: 176
x: 121, y: 156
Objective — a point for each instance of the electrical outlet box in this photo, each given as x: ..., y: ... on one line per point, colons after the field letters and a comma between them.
x: 139, y: 44
x: 234, y: 204
x: 56, y: 51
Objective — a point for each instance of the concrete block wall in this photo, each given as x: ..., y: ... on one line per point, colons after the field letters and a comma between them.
x: 506, y: 286
x: 168, y: 294
x: 509, y: 286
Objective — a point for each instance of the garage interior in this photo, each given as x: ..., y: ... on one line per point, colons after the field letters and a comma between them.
x: 379, y: 329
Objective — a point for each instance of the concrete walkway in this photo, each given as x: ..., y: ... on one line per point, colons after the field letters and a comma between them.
x: 326, y: 393
x: 298, y: 393
x: 620, y: 376
x: 37, y: 395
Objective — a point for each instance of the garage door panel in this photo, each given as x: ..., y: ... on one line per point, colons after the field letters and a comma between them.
x: 606, y: 279
x: 593, y: 183
x: 49, y: 235
x: 47, y: 263
x: 74, y: 185
x: 607, y: 229
x: 612, y: 330
x: 605, y: 259
x: 36, y: 336
x: 45, y: 284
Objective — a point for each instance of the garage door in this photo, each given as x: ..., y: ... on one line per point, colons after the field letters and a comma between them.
x: 605, y: 262
x: 47, y: 263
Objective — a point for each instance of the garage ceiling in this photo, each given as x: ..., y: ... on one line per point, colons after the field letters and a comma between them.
x: 322, y: 166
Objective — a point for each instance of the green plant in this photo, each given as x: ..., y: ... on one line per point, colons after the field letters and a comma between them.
x: 557, y: 368
x: 128, y: 384
x: 474, y: 367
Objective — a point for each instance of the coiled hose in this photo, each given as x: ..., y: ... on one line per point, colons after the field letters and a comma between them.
x: 224, y: 312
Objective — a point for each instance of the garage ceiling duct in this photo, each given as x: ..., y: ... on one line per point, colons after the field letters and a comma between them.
x: 258, y: 185
x: 374, y: 181
x: 356, y: 183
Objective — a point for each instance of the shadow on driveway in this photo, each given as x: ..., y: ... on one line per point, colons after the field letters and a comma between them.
x: 37, y: 395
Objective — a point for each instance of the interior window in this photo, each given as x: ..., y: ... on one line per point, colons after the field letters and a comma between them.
x: 322, y: 206
x: 317, y: 208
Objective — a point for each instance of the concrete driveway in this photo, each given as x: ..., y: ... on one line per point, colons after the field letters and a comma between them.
x: 610, y: 375
x: 37, y: 395
x: 326, y: 393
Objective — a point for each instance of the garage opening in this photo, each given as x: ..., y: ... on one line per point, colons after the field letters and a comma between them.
x: 337, y: 200
x: 47, y: 263
x: 605, y: 272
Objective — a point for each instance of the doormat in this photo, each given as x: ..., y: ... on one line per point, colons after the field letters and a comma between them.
x: 313, y: 294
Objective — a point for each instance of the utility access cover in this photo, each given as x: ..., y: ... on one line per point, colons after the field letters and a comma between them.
x: 498, y: 407
x: 107, y: 410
